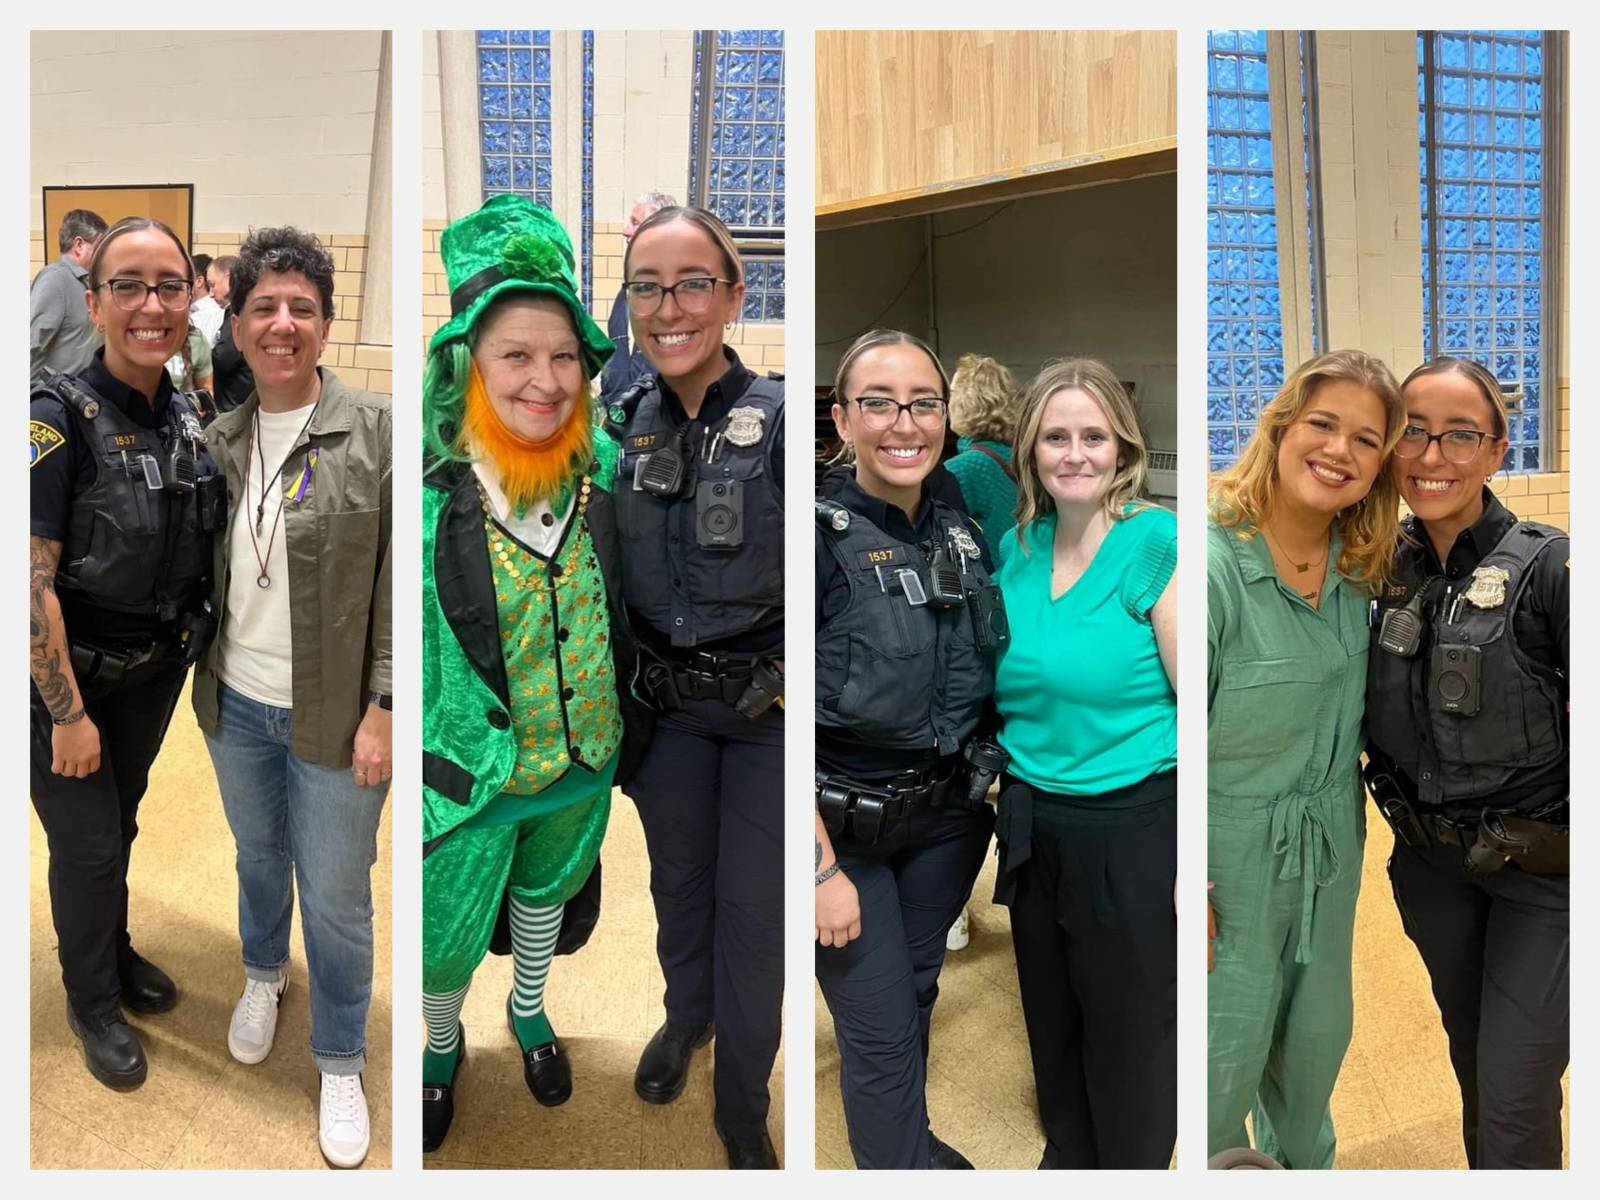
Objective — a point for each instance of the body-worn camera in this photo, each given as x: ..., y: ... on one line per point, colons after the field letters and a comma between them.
x: 1454, y: 674
x: 211, y: 496
x: 719, y: 514
x: 990, y: 628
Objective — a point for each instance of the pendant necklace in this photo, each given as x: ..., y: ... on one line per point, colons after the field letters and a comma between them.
x: 263, y: 579
x: 1300, y: 567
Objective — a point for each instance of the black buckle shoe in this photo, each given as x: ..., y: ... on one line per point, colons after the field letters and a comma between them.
x: 111, y: 1050
x: 664, y: 1066
x: 546, y: 1069
x: 439, y: 1102
x: 945, y: 1158
x: 748, y: 1154
x: 146, y: 988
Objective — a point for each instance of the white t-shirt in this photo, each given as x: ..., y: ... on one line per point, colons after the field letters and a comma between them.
x: 254, y: 652
x: 207, y: 316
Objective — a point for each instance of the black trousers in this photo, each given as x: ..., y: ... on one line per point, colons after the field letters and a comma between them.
x: 1496, y: 950
x: 91, y: 824
x: 710, y: 797
x: 1096, y: 942
x: 881, y: 987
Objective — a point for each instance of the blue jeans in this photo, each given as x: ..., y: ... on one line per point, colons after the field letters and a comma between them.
x: 291, y: 819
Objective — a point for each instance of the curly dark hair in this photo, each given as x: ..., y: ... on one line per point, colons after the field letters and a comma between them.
x: 281, y: 249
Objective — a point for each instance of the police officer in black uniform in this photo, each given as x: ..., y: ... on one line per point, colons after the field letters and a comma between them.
x: 908, y: 625
x: 124, y: 502
x: 1467, y: 719
x: 700, y: 509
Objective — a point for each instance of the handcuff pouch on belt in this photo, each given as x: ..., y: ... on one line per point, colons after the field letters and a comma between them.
x: 1537, y: 847
x: 750, y: 687
x: 865, y: 811
x: 108, y: 668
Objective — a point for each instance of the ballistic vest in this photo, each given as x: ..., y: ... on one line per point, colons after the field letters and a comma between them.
x: 691, y: 593
x: 131, y: 547
x: 891, y: 673
x: 1518, y: 726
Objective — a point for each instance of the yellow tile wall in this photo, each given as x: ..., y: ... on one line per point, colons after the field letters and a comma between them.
x: 359, y: 365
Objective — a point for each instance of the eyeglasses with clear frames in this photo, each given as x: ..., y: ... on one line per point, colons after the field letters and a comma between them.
x: 129, y: 294
x: 693, y: 295
x: 880, y: 412
x: 1457, y: 445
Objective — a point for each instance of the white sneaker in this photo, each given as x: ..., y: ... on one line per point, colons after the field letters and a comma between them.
x: 255, y: 1019
x: 343, y: 1130
x: 958, y: 937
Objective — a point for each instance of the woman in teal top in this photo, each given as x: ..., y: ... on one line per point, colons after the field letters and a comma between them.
x: 1302, y: 532
x: 983, y: 411
x: 1088, y: 810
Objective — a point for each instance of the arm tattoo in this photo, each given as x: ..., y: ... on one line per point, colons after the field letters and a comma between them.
x: 818, y: 865
x: 44, y: 662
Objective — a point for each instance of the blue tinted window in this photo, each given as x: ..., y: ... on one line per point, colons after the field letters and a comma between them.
x: 1482, y: 156
x: 1244, y: 324
x: 736, y: 151
x: 514, y: 106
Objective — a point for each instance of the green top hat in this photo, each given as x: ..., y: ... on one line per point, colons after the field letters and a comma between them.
x: 512, y: 243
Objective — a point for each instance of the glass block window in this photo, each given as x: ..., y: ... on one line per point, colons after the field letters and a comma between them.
x: 514, y: 112
x: 736, y: 152
x: 587, y: 249
x: 1244, y: 326
x: 1481, y: 127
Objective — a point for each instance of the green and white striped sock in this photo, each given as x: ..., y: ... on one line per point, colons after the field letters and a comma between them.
x: 533, y: 944
x: 441, y: 1012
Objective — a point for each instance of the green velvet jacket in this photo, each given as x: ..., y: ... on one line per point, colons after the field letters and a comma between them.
x: 468, y: 743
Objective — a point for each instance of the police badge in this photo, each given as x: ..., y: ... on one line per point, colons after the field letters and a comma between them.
x: 1488, y: 588
x: 745, y: 425
x: 964, y: 542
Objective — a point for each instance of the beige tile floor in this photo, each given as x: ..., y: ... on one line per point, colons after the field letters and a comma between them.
x: 980, y: 1079
x: 1397, y: 1104
x: 605, y: 1002
x: 199, y: 1109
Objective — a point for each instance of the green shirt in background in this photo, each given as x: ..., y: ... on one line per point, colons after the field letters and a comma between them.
x: 1085, y: 699
x: 990, y: 493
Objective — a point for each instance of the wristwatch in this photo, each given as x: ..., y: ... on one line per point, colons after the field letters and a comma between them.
x: 382, y: 700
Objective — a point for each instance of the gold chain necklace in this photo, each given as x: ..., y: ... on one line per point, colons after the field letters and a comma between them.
x: 1301, y: 568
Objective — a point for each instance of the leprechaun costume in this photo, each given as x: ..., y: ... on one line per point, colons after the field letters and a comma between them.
x: 528, y: 719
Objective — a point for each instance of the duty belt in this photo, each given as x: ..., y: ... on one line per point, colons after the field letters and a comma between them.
x: 866, y: 810
x: 710, y: 677
x: 95, y: 664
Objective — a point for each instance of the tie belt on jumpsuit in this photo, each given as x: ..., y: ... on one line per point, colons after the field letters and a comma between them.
x: 1299, y: 827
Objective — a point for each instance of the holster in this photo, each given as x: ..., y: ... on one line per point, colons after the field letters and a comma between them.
x: 108, y: 668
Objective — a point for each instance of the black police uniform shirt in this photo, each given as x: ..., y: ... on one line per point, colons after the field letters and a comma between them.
x: 62, y: 469
x: 1540, y: 625
x: 836, y: 753
x: 720, y: 399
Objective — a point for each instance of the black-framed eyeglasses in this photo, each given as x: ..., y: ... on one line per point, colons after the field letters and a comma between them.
x: 1457, y: 445
x: 693, y: 295
x: 880, y: 412
x: 129, y: 294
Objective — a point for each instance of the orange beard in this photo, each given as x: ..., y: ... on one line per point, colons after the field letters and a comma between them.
x: 528, y: 471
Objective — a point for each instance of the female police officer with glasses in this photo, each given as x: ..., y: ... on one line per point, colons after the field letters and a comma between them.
x: 124, y: 503
x: 700, y: 509
x: 1467, y: 719
x: 907, y: 626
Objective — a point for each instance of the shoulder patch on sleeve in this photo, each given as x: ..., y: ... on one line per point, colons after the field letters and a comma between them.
x: 42, y: 440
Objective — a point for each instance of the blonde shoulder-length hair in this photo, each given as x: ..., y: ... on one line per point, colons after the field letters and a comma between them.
x: 983, y: 399
x: 1369, y: 530
x: 1133, y: 458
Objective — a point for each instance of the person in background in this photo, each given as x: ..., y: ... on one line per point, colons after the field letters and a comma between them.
x: 984, y: 403
x: 627, y: 364
x: 206, y: 313
x: 1088, y: 824
x: 62, y: 336
x: 232, y: 381
x: 295, y: 698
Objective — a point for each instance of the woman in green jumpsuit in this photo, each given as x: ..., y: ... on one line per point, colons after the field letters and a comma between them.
x: 1302, y: 530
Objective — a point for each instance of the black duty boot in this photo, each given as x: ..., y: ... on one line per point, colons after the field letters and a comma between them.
x: 439, y: 1102
x: 546, y: 1069
x: 146, y: 988
x: 945, y: 1158
x: 749, y: 1154
x: 111, y: 1050
x: 664, y: 1066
